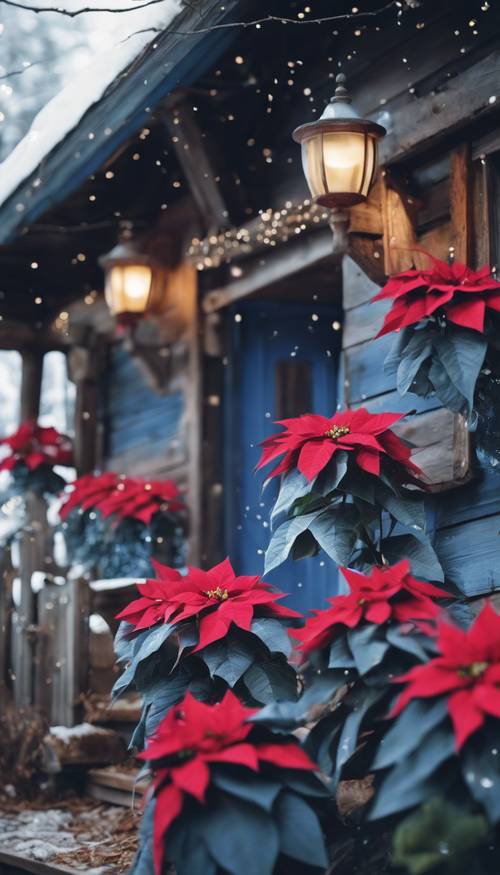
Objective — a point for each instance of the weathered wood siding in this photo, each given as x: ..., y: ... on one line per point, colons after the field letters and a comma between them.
x: 466, y: 519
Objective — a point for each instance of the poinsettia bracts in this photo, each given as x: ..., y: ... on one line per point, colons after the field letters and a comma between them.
x: 446, y: 730
x: 204, y: 631
x: 350, y: 652
x: 444, y: 316
x: 229, y: 796
x: 34, y: 452
x: 115, y: 524
x: 346, y: 483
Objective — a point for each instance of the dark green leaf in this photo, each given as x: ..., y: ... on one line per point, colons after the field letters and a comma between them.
x: 271, y: 680
x: 153, y: 642
x: 336, y: 532
x: 411, y: 780
x: 368, y: 647
x: 301, y: 837
x: 416, y: 352
x: 410, y: 642
x: 481, y: 769
x: 410, y: 511
x: 143, y: 862
x: 241, y: 837
x: 273, y: 634
x: 283, y: 538
x: 409, y: 730
x: 399, y: 344
x: 364, y: 699
x: 462, y: 352
x: 340, y: 655
x: 446, y: 391
x: 228, y: 658
x: 186, y: 847
x: 255, y: 789
x: 293, y: 486
x: 423, y: 560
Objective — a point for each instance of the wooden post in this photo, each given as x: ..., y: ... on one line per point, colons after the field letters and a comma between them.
x: 461, y: 203
x: 6, y: 575
x: 32, y: 549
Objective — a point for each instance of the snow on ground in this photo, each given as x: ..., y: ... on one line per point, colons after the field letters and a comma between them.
x: 63, y: 113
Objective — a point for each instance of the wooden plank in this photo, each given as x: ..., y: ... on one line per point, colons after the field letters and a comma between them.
x: 369, y: 255
x: 399, y: 238
x: 481, y: 213
x: 366, y: 218
x: 364, y: 372
x: 364, y: 322
x: 31, y: 383
x: 357, y: 287
x: 480, y: 499
x: 416, y: 124
x: 393, y: 402
x: 437, y: 242
x: 469, y: 555
x: 34, y: 547
x: 442, y: 447
x: 461, y: 203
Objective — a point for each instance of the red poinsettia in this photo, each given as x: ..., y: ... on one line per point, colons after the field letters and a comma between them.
x: 216, y: 597
x: 387, y: 593
x: 192, y: 737
x: 310, y: 441
x: 122, y: 497
x: 461, y: 293
x: 467, y: 671
x: 35, y: 445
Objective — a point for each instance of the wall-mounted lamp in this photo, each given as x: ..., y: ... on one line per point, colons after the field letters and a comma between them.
x: 134, y: 283
x: 339, y: 157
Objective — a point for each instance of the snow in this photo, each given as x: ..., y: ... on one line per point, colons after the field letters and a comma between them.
x: 114, y: 583
x: 67, y: 733
x: 63, y: 113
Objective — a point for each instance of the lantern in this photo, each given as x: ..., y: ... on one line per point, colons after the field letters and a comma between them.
x: 134, y: 284
x: 339, y: 152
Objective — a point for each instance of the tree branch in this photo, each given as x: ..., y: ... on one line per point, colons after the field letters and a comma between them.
x: 72, y: 13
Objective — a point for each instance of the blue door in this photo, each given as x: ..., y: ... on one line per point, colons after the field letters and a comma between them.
x: 283, y: 362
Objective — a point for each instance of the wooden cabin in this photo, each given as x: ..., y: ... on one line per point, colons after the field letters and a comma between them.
x: 189, y: 152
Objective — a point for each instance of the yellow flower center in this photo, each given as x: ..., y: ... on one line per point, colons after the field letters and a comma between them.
x: 337, y: 431
x: 218, y: 593
x: 361, y: 601
x: 474, y: 670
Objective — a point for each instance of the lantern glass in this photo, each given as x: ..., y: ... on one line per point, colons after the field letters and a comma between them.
x: 339, y: 166
x: 128, y: 288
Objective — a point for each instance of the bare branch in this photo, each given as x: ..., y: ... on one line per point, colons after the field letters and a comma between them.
x: 408, y: 4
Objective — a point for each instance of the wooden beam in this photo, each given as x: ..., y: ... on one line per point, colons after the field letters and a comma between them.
x: 418, y: 124
x: 187, y: 141
x: 461, y: 203
x: 31, y: 383
x: 368, y: 254
x: 275, y: 266
x: 399, y: 238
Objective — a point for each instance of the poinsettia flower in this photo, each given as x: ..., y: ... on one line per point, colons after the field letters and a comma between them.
x: 388, y: 593
x: 122, y: 497
x: 217, y: 598
x: 33, y: 445
x: 310, y: 441
x: 467, y: 672
x: 462, y: 294
x: 194, y: 736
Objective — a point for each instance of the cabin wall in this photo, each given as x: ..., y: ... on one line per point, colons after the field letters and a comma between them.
x: 465, y: 519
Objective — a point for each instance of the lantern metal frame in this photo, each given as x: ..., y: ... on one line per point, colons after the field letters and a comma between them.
x: 341, y: 117
x: 127, y: 254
